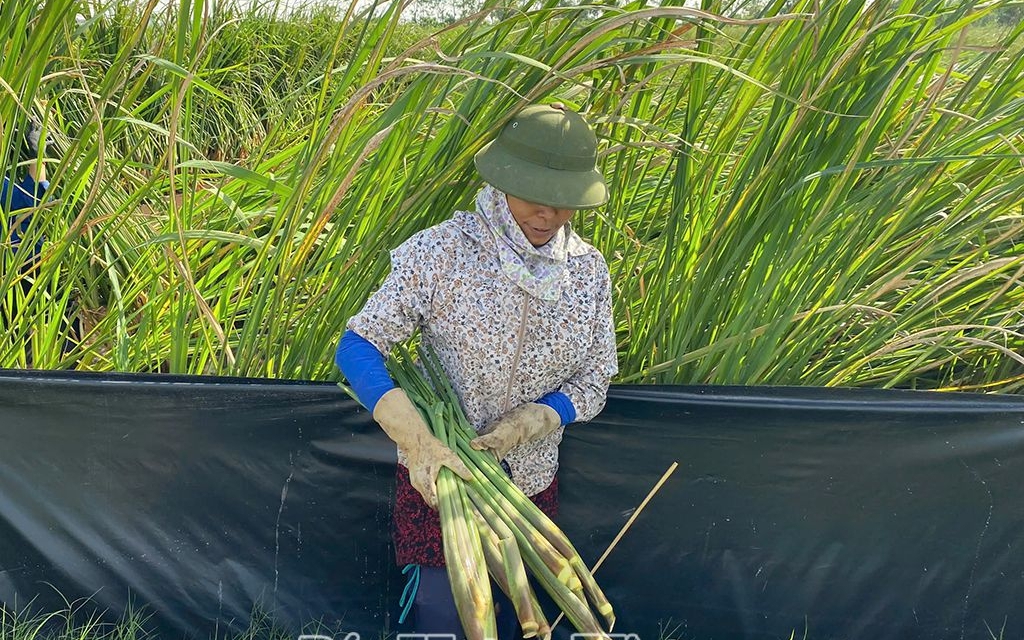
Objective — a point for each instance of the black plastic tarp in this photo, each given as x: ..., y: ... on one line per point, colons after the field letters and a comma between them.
x: 830, y: 513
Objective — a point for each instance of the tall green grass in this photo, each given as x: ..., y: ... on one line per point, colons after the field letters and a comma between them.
x: 84, y: 620
x: 827, y: 196
x: 71, y: 623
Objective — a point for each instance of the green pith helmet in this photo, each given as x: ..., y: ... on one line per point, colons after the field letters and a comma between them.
x: 545, y: 155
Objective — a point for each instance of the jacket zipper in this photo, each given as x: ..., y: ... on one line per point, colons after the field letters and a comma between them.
x: 519, y: 352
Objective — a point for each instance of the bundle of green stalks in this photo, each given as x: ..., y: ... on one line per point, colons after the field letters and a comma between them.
x: 490, y: 527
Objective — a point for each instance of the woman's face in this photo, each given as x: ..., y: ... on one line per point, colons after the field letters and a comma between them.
x: 539, y: 222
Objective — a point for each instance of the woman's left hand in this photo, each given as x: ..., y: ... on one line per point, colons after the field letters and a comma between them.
x: 523, y: 424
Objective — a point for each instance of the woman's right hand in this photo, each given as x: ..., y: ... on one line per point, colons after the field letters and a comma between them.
x: 424, y: 453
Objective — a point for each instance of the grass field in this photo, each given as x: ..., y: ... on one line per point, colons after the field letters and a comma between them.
x: 830, y: 195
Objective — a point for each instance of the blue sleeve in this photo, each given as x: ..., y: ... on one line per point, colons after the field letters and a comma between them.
x: 363, y: 366
x: 24, y: 195
x: 562, y: 404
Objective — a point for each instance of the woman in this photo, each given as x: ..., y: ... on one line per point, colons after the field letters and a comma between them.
x: 518, y: 309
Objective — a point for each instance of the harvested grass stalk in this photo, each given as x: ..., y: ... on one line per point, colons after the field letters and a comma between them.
x: 464, y: 557
x: 509, y: 571
x: 499, y: 513
x: 506, y: 566
x: 593, y: 592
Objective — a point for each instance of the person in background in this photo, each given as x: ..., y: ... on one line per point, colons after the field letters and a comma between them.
x: 30, y: 190
x: 518, y: 309
x: 18, y: 200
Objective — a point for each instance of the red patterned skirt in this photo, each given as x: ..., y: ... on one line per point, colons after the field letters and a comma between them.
x: 417, y: 527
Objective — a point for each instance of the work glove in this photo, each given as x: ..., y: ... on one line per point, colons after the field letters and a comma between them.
x: 424, y: 453
x: 521, y: 425
x: 31, y: 145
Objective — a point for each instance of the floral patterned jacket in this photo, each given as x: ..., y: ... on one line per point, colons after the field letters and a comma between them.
x: 500, y: 346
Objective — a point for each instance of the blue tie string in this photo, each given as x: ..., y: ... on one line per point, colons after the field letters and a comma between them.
x: 412, y: 585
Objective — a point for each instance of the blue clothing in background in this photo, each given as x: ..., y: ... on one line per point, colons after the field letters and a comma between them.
x: 363, y: 366
x: 24, y: 195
